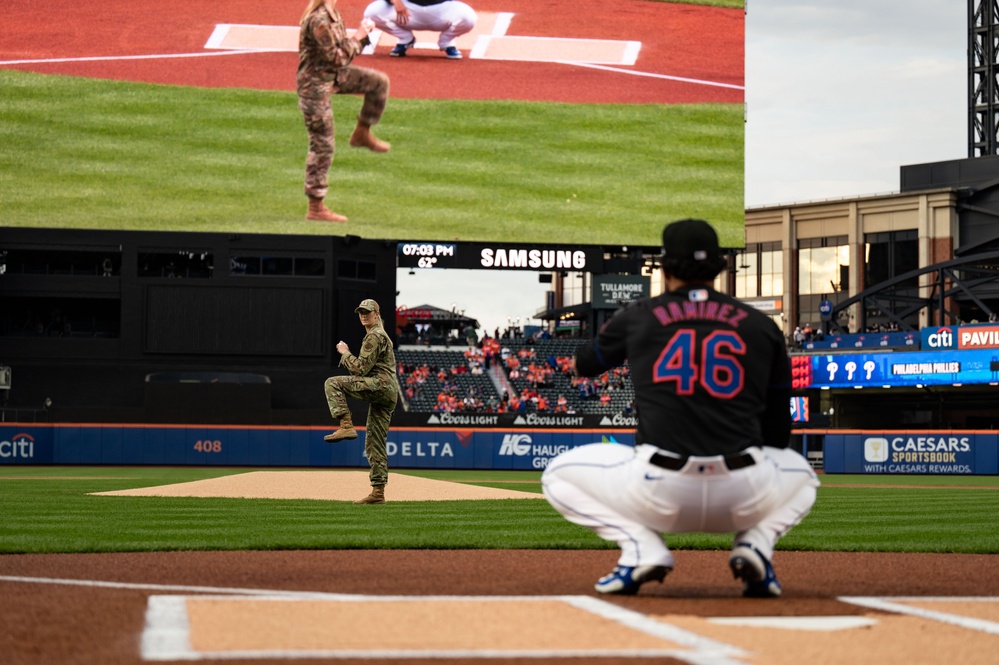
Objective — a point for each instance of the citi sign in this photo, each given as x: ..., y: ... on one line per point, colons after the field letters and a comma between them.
x: 961, y: 337
x: 943, y: 338
x: 21, y: 446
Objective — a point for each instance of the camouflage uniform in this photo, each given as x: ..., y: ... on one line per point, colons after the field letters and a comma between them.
x: 324, y: 56
x: 372, y: 378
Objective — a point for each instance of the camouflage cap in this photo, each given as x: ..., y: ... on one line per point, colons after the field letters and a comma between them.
x: 367, y: 305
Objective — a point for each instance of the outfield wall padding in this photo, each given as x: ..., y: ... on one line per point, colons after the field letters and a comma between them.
x: 951, y: 452
x: 231, y: 445
x: 912, y: 452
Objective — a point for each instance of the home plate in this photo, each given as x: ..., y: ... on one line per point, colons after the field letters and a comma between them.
x: 487, y: 41
x: 798, y: 623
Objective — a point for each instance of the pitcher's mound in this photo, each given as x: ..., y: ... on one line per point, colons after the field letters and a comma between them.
x: 323, y: 485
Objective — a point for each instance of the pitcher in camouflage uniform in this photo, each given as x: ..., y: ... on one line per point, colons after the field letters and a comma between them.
x: 324, y: 56
x: 372, y: 378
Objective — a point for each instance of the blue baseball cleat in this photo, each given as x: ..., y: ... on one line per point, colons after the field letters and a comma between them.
x: 400, y: 49
x: 625, y: 580
x: 452, y: 52
x: 755, y: 570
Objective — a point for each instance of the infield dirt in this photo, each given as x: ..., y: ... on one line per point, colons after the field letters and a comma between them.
x: 323, y: 485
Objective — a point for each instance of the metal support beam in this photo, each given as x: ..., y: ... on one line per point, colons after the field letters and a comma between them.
x: 983, y: 78
x: 963, y: 275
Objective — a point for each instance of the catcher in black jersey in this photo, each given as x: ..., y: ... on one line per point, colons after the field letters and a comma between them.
x: 712, y: 386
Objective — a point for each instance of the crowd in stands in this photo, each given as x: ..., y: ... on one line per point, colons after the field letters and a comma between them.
x: 887, y: 334
x: 537, y: 373
x: 883, y: 327
x: 805, y: 334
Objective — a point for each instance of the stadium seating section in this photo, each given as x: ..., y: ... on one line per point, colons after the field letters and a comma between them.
x: 474, y: 379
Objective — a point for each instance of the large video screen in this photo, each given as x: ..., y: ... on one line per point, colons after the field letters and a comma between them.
x: 904, y: 369
x: 562, y: 122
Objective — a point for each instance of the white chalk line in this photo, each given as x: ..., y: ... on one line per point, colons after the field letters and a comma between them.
x: 896, y: 606
x: 114, y: 58
x: 209, y: 54
x: 667, y: 77
x: 165, y: 587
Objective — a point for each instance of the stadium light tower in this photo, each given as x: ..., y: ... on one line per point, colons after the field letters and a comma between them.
x: 983, y: 78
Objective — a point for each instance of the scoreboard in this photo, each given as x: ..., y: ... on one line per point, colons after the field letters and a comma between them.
x: 902, y: 369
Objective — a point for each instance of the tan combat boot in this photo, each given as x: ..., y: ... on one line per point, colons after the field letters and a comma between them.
x: 346, y: 431
x: 363, y: 138
x: 377, y: 495
x: 318, y: 212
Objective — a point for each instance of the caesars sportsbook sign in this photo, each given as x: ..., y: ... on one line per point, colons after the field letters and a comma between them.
x: 953, y: 453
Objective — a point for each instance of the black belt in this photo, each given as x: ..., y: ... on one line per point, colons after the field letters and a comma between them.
x: 732, y: 462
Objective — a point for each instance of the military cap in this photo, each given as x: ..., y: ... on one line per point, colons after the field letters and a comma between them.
x: 367, y: 305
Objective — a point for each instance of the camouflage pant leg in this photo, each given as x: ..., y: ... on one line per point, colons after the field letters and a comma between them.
x: 318, y: 113
x: 339, y: 388
x: 336, y: 397
x: 373, y: 84
x: 379, y: 417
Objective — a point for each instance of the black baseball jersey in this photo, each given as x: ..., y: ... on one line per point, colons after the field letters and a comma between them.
x: 711, y: 374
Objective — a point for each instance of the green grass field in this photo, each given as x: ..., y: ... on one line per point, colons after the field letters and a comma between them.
x: 50, y: 509
x: 83, y: 153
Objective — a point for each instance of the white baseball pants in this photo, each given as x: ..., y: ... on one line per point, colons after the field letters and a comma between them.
x: 451, y: 19
x: 614, y: 491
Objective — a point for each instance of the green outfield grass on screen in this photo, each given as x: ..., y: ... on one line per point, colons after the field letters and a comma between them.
x: 81, y: 153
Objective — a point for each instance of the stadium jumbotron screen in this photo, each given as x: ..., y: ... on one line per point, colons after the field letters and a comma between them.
x: 552, y: 129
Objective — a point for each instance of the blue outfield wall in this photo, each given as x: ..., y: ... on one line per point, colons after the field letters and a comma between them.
x: 844, y: 451
x: 201, y: 445
x: 911, y: 452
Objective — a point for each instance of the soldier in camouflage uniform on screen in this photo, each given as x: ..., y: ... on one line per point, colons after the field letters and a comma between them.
x: 372, y: 378
x: 324, y: 56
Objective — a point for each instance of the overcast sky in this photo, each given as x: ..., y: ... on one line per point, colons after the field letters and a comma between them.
x: 489, y: 297
x: 840, y: 94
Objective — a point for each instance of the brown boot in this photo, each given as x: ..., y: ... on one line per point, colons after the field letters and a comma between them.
x: 318, y: 212
x: 346, y: 431
x: 377, y: 495
x: 363, y: 138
